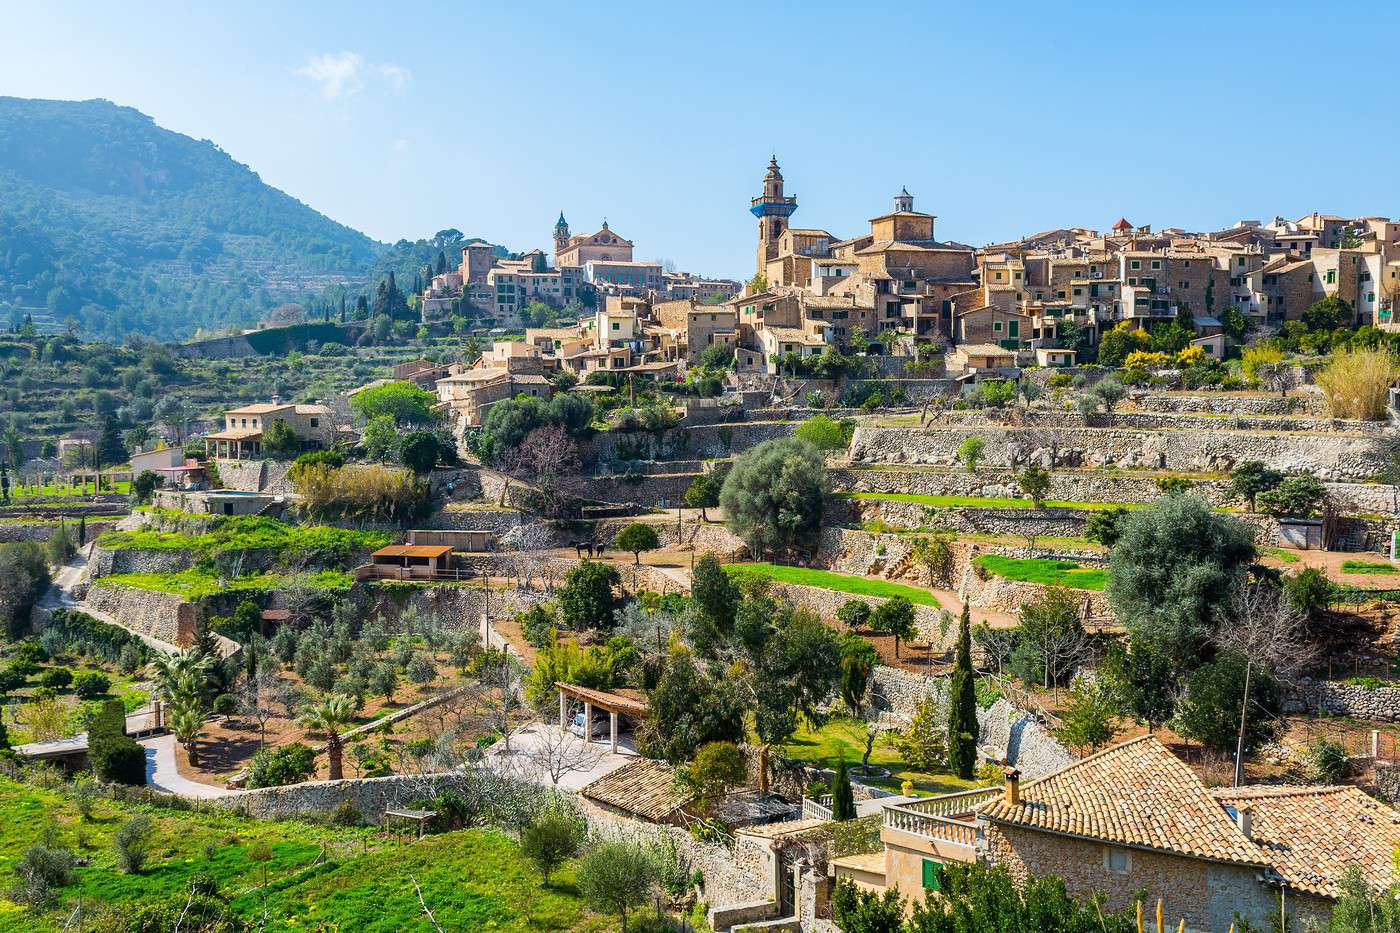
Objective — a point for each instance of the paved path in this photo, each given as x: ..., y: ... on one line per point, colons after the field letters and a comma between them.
x: 162, y: 773
x: 532, y: 742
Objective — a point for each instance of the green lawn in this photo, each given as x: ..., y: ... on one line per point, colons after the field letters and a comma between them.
x: 1043, y: 570
x: 845, y: 739
x: 195, y: 584
x: 1362, y: 566
x: 1278, y: 553
x: 65, y: 491
x: 321, y: 543
x: 319, y: 878
x: 984, y: 502
x: 840, y: 582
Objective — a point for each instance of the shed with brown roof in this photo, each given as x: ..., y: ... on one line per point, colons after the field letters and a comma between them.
x: 643, y: 788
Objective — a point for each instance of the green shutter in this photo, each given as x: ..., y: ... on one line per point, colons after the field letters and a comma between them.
x: 930, y: 875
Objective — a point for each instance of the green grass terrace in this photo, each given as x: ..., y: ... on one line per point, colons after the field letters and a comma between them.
x: 838, y: 582
x: 196, y: 584
x: 1044, y: 570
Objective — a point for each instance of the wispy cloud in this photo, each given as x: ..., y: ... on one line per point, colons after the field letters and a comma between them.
x: 344, y: 74
x: 401, y: 145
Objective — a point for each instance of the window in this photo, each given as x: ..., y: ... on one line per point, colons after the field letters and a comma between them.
x: 1370, y: 296
x: 1132, y: 281
x: 315, y: 422
x: 931, y: 874
x: 1117, y: 860
x: 1015, y: 328
x: 1135, y: 264
x: 1079, y: 291
x: 996, y: 327
x: 1331, y: 276
x: 1239, y: 261
x: 1156, y: 263
x: 616, y: 325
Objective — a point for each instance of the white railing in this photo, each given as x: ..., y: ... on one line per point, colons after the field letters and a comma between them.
x: 947, y: 829
x: 816, y: 809
x: 950, y: 804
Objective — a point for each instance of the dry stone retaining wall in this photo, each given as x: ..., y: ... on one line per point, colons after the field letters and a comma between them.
x: 163, y: 616
x: 1331, y: 457
x: 1338, y: 698
x: 1082, y: 486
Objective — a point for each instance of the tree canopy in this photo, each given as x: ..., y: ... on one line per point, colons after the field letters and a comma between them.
x: 775, y: 494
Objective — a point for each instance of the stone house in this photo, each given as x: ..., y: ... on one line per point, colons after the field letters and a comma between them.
x: 1135, y: 818
x: 313, y: 425
x: 467, y: 395
x: 697, y: 326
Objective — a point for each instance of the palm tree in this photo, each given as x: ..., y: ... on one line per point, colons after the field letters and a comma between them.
x: 330, y: 716
x: 187, y: 722
x: 171, y: 671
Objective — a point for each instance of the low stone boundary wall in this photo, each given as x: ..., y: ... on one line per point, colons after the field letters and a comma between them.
x: 1388, y: 780
x: 1331, y: 457
x: 825, y: 603
x: 1222, y: 404
x: 16, y: 531
x: 498, y: 520
x: 1043, y: 523
x: 371, y: 796
x: 1083, y: 486
x: 1338, y: 698
x: 163, y: 616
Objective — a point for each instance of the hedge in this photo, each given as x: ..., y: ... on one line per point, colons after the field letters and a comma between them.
x: 116, y: 757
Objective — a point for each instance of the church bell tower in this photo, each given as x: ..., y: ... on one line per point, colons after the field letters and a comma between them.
x: 561, y: 236
x: 772, y: 210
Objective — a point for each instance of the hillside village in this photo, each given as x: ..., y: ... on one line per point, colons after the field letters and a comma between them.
x: 903, y: 581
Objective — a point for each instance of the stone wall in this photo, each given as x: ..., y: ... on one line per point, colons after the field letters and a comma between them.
x: 458, y: 607
x: 371, y: 796
x: 1043, y: 523
x: 1388, y: 780
x: 825, y: 603
x: 163, y: 616
x: 1338, y: 698
x: 16, y: 531
x: 269, y: 476
x: 1082, y: 486
x: 1206, y: 894
x: 498, y: 520
x: 1331, y: 457
x: 1221, y: 404
x: 701, y: 441
x: 107, y: 561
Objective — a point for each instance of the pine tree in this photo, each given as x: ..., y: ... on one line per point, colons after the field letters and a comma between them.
x: 843, y: 799
x: 962, y: 710
x: 921, y: 745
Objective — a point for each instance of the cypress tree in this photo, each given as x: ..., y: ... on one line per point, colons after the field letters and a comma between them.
x: 962, y: 711
x: 843, y: 799
x: 82, y: 530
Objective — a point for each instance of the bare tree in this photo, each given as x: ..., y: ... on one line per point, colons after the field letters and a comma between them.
x: 501, y: 674
x: 526, y: 550
x: 1277, y: 377
x: 546, y: 458
x: 996, y: 645
x: 1270, y: 633
x: 558, y: 753
x: 264, y: 697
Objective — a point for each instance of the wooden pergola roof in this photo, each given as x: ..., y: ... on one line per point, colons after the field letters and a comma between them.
x: 629, y: 703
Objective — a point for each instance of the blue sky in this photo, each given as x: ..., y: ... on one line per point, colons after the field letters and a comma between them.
x: 1001, y: 120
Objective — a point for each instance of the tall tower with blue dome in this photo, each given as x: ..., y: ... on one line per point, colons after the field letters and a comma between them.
x: 772, y: 209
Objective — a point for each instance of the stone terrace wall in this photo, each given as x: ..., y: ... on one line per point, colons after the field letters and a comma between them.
x: 1222, y: 404
x: 498, y: 520
x: 1081, y: 486
x: 16, y: 531
x: 163, y: 616
x: 270, y: 476
x: 1334, y: 457
x: 457, y: 607
x: 371, y: 796
x: 107, y: 561
x: 700, y: 441
x: 1338, y: 698
x: 825, y: 603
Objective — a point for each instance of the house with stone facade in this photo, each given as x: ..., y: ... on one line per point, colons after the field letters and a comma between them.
x: 1135, y: 818
x: 242, y: 434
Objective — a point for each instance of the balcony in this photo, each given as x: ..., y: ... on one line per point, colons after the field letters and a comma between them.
x: 945, y: 826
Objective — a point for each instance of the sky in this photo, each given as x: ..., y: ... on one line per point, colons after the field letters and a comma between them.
x: 1002, y: 119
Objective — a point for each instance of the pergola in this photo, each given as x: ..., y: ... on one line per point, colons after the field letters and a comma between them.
x: 615, y: 703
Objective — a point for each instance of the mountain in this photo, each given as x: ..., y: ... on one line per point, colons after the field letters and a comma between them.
x: 126, y: 227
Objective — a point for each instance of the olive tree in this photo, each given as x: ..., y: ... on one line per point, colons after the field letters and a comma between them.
x: 774, y: 496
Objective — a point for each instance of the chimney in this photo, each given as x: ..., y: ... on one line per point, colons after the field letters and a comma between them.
x: 1244, y: 818
x: 1013, y: 787
x: 277, y: 400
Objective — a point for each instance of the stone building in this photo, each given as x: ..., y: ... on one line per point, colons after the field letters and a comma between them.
x: 1135, y: 818
x: 242, y: 435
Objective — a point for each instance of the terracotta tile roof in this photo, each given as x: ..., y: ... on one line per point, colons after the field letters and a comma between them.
x: 1311, y: 834
x: 642, y: 786
x: 1135, y: 794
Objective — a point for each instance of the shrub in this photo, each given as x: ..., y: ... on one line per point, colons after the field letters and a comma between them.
x: 615, y: 877
x: 970, y: 452
x: 590, y: 595
x: 347, y: 814
x: 1297, y: 496
x: 1034, y: 482
x: 91, y: 684
x: 56, y: 678
x: 825, y: 433
x: 43, y: 869
x: 554, y: 837
x: 286, y: 764
x: 854, y: 614
x: 115, y: 756
x: 1327, y: 762
x: 1357, y: 382
x: 133, y: 843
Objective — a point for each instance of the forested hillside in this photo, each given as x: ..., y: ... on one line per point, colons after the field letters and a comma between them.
x: 114, y: 223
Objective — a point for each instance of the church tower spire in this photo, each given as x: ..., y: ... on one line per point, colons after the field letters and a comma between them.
x: 561, y: 236
x: 772, y: 208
